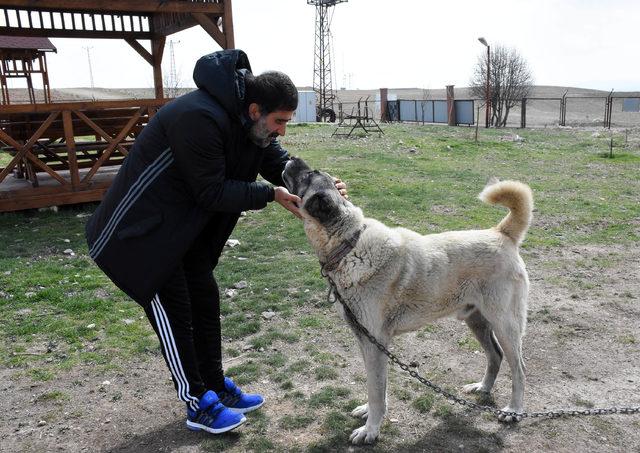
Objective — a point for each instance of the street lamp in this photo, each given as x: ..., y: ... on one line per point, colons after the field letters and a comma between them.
x: 487, y: 93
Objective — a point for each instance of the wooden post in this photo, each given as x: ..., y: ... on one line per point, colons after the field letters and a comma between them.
x: 227, y: 25
x: 477, y: 121
x: 384, y: 114
x: 451, y: 107
x: 157, y: 50
x: 523, y: 113
x: 45, y: 78
x: 71, y: 148
x: 27, y: 69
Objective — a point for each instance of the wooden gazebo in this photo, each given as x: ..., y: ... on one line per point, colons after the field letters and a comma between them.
x: 65, y: 153
x: 21, y: 57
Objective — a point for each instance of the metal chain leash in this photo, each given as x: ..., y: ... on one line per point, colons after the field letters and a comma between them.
x: 454, y: 398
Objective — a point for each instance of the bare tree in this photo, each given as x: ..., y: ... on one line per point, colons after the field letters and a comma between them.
x: 172, y: 84
x: 510, y: 80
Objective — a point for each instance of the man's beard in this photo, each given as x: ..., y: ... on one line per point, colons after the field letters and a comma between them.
x: 259, y: 133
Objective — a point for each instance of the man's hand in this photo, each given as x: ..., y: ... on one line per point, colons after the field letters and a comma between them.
x: 341, y: 186
x: 288, y: 200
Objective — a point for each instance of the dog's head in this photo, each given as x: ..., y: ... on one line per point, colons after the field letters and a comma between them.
x: 320, y: 198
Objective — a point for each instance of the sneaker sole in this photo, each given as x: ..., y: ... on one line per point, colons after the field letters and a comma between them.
x: 238, y: 410
x: 199, y: 427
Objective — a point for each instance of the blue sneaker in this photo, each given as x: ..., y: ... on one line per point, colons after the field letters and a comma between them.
x: 237, y: 401
x: 212, y: 416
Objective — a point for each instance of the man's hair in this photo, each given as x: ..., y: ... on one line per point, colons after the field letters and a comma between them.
x: 271, y: 90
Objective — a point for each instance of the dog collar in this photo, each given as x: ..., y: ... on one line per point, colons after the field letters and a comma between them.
x: 333, y: 261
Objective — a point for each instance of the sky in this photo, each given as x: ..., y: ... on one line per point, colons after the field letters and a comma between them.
x: 393, y: 44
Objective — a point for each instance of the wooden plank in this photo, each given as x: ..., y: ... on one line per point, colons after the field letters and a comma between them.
x: 144, y: 53
x: 166, y: 29
x: 86, y: 105
x: 227, y: 25
x: 151, y: 6
x: 23, y: 150
x: 58, y: 33
x: 110, y: 148
x: 71, y: 148
x: 46, y: 168
x: 32, y: 201
x: 157, y: 50
x: 211, y: 28
x: 100, y: 131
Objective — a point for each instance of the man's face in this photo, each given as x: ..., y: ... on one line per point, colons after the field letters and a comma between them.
x: 269, y: 126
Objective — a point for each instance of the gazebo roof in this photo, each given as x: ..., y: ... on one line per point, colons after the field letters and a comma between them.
x: 26, y: 43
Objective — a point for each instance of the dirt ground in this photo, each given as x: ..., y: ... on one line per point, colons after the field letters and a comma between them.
x: 582, y: 349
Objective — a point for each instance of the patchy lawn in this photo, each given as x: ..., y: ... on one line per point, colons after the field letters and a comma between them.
x: 81, y: 370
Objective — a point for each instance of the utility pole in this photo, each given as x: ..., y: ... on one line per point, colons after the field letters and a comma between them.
x: 88, y: 49
x: 488, y: 89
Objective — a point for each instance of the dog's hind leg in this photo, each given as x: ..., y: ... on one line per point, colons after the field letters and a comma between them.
x: 376, y: 365
x: 484, y: 334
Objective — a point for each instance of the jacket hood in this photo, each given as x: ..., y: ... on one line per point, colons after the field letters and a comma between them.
x: 221, y: 74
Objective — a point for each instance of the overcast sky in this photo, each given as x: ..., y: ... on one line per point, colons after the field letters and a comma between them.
x: 395, y: 44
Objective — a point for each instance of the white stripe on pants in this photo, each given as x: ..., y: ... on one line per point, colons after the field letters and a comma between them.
x: 171, y: 352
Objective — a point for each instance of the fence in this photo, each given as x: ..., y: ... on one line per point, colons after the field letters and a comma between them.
x: 574, y: 111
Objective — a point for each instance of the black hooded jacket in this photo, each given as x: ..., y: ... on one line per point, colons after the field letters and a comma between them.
x: 191, y: 171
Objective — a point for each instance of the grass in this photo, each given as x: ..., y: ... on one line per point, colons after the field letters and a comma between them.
x: 424, y: 403
x: 328, y: 396
x: 469, y: 343
x: 58, y: 311
x: 293, y: 422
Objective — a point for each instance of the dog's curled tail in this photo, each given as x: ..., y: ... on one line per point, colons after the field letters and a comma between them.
x: 518, y: 198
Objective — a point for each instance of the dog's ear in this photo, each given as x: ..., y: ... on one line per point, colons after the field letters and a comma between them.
x: 321, y: 206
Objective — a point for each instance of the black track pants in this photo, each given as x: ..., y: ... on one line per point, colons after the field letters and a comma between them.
x: 186, y: 317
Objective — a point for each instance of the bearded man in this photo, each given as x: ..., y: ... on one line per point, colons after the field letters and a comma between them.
x: 163, y: 223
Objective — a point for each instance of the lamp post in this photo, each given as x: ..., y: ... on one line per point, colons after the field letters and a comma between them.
x: 487, y: 90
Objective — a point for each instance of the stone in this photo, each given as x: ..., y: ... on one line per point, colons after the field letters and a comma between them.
x: 241, y: 285
x: 268, y: 314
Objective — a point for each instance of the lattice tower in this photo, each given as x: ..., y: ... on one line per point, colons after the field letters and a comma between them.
x: 322, y: 76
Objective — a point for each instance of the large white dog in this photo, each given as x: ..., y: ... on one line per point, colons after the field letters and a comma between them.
x: 395, y: 280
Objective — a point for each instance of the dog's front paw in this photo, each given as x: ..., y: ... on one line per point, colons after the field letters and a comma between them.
x: 364, y: 435
x: 361, y: 411
x: 476, y: 387
x: 516, y: 417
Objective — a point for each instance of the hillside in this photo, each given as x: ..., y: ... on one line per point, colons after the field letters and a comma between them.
x: 585, y: 107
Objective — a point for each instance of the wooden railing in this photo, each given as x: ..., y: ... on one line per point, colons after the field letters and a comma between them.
x: 68, y: 143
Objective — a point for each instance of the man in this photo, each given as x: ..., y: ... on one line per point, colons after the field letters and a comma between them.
x: 163, y: 223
